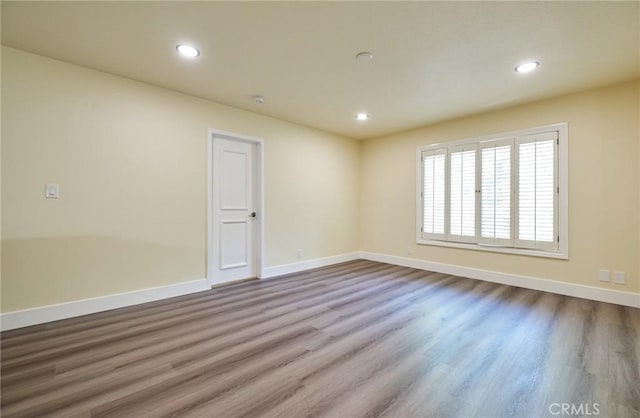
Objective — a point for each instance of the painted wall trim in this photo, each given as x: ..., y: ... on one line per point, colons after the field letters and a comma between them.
x: 275, y: 271
x: 44, y: 314
x: 569, y: 289
x: 27, y: 317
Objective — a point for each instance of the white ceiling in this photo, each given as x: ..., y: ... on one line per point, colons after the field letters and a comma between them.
x: 433, y: 60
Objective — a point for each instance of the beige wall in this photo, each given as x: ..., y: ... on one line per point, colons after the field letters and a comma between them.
x: 131, y: 162
x: 604, y: 187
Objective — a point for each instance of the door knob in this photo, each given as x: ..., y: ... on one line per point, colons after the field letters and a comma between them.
x: 252, y: 215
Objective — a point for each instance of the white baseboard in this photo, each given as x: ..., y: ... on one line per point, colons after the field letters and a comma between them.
x: 569, y: 289
x: 308, y: 264
x: 27, y: 317
x: 41, y: 315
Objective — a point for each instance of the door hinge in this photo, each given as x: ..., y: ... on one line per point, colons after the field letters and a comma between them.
x: 558, y: 238
x: 558, y: 190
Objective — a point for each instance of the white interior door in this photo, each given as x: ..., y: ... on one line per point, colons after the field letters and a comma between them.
x: 235, y: 216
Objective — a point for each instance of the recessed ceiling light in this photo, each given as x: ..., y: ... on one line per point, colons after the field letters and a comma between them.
x: 187, y: 51
x: 364, y: 56
x: 527, y: 66
x: 362, y: 116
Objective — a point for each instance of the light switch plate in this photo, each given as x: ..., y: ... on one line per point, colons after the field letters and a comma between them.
x: 52, y: 191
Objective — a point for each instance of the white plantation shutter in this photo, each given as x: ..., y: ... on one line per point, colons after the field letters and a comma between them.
x: 495, y: 201
x: 503, y: 193
x: 433, y: 193
x: 462, y: 191
x: 537, y: 191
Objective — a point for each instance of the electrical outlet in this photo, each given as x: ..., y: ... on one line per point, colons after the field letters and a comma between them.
x: 603, y: 276
x: 619, y: 277
x: 300, y: 253
x: 409, y: 250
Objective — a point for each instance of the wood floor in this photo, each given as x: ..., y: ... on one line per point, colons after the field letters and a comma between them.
x: 352, y: 340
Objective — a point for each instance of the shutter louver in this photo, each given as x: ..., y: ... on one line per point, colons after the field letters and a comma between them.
x: 462, y: 194
x: 495, y: 206
x: 433, y: 193
x: 537, y: 191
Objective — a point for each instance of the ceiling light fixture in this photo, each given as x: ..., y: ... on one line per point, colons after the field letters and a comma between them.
x: 187, y: 51
x: 527, y: 67
x: 362, y: 116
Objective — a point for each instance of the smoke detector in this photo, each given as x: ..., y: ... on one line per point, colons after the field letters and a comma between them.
x: 364, y: 56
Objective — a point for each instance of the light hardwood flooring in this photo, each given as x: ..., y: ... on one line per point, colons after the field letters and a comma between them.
x: 351, y: 340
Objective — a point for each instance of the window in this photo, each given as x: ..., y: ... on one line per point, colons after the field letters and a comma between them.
x: 505, y: 193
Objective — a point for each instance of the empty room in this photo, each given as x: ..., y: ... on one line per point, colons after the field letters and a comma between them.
x: 320, y: 209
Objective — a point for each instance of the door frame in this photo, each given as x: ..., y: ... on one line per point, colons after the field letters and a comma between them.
x: 212, y: 134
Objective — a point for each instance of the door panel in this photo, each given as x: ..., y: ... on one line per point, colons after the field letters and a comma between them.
x: 234, y: 218
x: 234, y: 239
x: 235, y: 186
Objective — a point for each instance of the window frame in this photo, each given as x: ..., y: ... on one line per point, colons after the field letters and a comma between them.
x: 561, y: 179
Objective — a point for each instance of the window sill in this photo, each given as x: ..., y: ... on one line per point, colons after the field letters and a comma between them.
x: 562, y: 255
